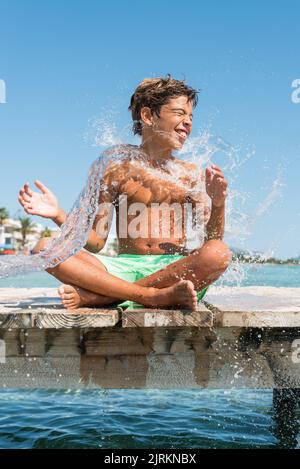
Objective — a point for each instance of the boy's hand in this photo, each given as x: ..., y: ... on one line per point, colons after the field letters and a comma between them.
x: 216, y: 185
x: 43, y: 204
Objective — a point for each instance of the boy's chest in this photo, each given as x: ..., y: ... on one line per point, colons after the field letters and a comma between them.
x: 149, y: 190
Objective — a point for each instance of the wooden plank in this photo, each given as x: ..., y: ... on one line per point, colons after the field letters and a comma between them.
x: 256, y: 306
x: 254, y: 299
x: 41, y: 308
x: 167, y: 318
x: 117, y: 341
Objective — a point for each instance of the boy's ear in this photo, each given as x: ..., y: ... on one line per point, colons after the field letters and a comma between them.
x: 146, y: 116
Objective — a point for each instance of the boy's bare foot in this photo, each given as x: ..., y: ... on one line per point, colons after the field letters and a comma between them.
x: 75, y: 297
x: 182, y: 294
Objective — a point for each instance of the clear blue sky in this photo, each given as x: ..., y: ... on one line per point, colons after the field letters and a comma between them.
x: 68, y: 63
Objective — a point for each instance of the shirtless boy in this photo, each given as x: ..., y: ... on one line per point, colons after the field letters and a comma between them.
x: 155, y: 271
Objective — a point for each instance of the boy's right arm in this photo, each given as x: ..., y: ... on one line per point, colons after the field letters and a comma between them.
x: 111, y: 178
x: 45, y: 204
x: 103, y: 219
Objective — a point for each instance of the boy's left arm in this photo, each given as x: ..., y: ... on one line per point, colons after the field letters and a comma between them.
x: 216, y: 188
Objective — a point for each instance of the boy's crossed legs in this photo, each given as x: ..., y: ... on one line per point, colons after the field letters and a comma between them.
x: 87, y: 282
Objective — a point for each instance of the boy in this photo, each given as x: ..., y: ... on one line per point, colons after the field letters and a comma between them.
x: 154, y: 271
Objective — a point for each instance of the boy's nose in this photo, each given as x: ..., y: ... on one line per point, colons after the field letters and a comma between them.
x: 188, y: 124
x: 187, y: 120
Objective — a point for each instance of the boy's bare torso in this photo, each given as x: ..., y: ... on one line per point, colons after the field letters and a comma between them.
x: 166, y: 182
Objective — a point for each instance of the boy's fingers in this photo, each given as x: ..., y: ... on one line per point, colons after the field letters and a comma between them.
x: 217, y: 172
x: 212, y: 175
x: 27, y: 189
x: 209, y: 173
x: 222, y: 181
x: 214, y: 166
x: 24, y: 196
x: 218, y: 175
x: 26, y: 205
x: 41, y: 186
x: 21, y: 201
x: 28, y: 208
x: 30, y: 211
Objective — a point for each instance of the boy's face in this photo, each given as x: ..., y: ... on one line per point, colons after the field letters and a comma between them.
x: 174, y: 124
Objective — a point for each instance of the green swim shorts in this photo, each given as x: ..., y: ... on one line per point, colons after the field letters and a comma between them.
x: 132, y: 267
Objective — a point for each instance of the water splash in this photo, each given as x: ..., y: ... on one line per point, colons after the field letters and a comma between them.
x: 273, y: 195
x: 75, y: 231
x: 200, y: 149
x: 103, y: 133
x: 73, y: 235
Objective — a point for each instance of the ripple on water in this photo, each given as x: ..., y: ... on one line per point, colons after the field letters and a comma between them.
x: 136, y: 419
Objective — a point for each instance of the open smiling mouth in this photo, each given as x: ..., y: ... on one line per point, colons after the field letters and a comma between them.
x: 182, y: 134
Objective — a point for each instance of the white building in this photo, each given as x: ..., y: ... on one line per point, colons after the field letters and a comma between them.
x: 11, y: 237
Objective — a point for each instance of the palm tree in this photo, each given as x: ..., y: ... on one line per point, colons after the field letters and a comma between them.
x: 27, y: 227
x: 46, y: 233
x: 3, y: 215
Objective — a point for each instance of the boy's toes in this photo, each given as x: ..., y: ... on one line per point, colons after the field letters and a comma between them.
x: 66, y: 301
x: 192, y: 304
x: 65, y: 290
x: 69, y: 289
x: 190, y: 286
x: 68, y: 296
x: 68, y: 304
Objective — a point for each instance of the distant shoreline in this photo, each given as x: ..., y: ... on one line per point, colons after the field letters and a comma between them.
x: 291, y: 264
x: 257, y: 258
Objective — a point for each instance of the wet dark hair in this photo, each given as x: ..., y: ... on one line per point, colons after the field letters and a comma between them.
x: 154, y: 93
